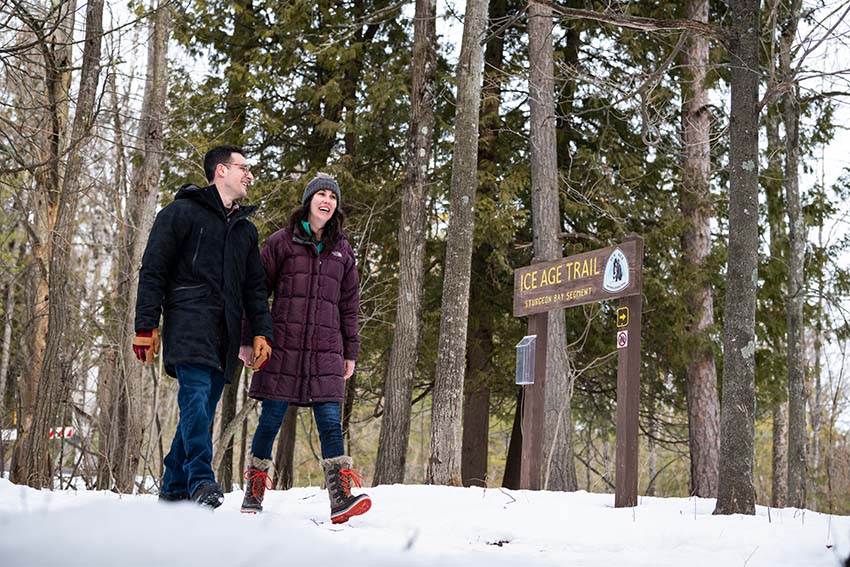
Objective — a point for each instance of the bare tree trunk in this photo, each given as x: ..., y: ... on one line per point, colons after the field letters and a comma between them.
x: 243, y: 439
x: 226, y: 443
x: 652, y: 456
x: 588, y: 454
x: 9, y: 387
x: 565, y: 136
x: 609, y: 464
x: 6, y: 355
x: 108, y: 366
x: 96, y: 297
x: 237, y: 103
x: 772, y: 183
x: 484, y: 276
x: 55, y: 369
x: 398, y: 388
x: 228, y: 433
x: 348, y: 409
x: 779, y: 485
x: 57, y: 60
x: 817, y: 409
x: 513, y: 461
x: 815, y: 402
x: 476, y: 407
x: 559, y: 464
x: 285, y: 455
x: 444, y: 463
x: 796, y: 276
x: 736, y: 494
x: 127, y: 414
x: 154, y: 427
x: 695, y: 203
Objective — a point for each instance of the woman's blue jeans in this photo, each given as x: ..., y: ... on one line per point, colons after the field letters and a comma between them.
x: 326, y: 414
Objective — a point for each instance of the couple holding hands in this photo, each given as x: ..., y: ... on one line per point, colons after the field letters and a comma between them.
x: 203, y: 272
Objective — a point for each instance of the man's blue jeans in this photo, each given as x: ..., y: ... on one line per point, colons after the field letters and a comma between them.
x: 189, y: 463
x: 327, y: 422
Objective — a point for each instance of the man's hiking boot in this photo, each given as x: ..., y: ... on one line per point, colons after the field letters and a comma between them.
x: 172, y: 497
x: 257, y: 475
x: 209, y: 495
x: 339, y: 476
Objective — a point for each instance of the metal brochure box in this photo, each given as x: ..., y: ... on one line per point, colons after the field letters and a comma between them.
x: 525, y: 355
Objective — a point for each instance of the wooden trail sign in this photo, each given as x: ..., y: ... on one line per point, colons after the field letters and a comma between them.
x: 609, y: 273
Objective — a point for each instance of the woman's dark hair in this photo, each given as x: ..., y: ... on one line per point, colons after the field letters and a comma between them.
x: 332, y: 230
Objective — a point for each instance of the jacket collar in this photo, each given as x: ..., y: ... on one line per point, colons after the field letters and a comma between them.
x: 300, y: 236
x: 208, y: 197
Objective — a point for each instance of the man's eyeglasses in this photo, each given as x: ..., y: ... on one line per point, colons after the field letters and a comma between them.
x: 246, y: 169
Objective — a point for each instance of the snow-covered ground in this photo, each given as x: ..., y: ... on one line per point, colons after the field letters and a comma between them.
x: 408, y: 525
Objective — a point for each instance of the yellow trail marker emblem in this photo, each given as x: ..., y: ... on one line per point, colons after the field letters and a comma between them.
x: 622, y: 317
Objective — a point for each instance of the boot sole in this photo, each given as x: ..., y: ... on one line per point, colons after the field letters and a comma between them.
x: 250, y: 511
x: 359, y: 508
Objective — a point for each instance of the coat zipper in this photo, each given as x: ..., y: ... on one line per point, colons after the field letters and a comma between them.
x: 308, y: 351
x: 197, y: 249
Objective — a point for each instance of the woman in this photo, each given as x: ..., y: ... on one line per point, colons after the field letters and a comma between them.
x: 311, y: 271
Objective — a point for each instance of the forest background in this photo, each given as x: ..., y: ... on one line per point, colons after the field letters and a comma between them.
x: 437, y: 147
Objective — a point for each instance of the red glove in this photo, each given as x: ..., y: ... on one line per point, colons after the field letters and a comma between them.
x: 146, y: 345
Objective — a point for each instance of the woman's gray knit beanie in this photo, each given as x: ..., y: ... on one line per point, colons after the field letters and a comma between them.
x: 321, y: 181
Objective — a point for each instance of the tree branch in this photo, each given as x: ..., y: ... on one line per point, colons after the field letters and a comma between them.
x: 636, y: 22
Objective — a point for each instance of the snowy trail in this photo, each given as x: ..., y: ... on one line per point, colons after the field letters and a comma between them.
x: 408, y: 525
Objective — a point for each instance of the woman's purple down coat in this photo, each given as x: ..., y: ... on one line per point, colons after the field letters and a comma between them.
x: 315, y: 318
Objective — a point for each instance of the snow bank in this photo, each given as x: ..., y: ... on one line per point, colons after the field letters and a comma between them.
x: 409, y: 525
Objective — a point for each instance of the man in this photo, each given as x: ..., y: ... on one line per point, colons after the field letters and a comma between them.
x: 201, y: 269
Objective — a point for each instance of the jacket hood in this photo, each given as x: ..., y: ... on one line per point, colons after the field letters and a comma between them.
x: 208, y: 196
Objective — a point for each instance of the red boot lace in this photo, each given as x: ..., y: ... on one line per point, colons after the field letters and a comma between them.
x: 346, y: 476
x: 259, y: 482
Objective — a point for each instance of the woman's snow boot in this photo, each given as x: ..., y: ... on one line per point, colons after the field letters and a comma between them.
x: 257, y: 475
x: 339, y: 476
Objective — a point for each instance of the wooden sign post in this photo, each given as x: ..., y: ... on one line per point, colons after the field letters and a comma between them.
x: 609, y: 273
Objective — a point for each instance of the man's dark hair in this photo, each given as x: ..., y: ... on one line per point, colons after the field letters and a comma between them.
x: 332, y: 230
x: 217, y: 155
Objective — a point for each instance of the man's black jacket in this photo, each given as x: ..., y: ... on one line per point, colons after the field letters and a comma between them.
x: 201, y: 269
